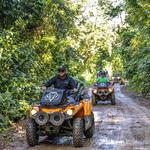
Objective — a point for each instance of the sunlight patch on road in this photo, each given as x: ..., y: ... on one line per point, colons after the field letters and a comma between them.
x: 111, y: 142
x: 97, y: 116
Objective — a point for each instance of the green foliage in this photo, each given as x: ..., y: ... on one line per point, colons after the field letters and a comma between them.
x: 11, y: 109
x: 32, y: 46
x: 134, y: 45
x: 117, y: 64
x: 37, y: 36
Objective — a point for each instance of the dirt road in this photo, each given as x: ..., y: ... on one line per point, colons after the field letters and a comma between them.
x: 125, y: 126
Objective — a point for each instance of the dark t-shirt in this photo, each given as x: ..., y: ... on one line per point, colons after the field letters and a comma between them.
x: 68, y: 83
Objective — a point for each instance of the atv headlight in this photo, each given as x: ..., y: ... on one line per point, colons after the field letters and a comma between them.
x: 110, y: 90
x: 70, y: 112
x: 95, y: 90
x: 33, y: 112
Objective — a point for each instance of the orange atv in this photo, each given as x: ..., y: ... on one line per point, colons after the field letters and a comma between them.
x: 57, y: 114
x: 103, y: 92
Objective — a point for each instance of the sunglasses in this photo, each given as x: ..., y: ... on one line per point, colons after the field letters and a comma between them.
x: 62, y: 71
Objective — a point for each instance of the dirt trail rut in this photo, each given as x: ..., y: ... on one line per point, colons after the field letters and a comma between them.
x: 125, y: 126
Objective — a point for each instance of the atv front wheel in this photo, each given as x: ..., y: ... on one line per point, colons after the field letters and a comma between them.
x: 89, y: 133
x: 78, y: 132
x: 113, y: 101
x: 31, y: 132
x: 93, y: 99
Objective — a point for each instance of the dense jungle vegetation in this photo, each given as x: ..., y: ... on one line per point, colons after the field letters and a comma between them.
x: 36, y: 36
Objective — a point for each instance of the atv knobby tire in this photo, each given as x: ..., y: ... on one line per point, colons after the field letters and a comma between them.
x: 78, y: 132
x: 31, y: 132
x: 93, y: 99
x: 89, y: 133
x: 113, y: 101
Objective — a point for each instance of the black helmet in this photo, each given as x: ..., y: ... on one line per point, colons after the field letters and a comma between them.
x: 62, y: 68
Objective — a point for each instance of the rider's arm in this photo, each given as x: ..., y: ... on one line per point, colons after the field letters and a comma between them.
x: 73, y: 83
x: 50, y: 82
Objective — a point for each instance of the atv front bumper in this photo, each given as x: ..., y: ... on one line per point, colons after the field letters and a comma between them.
x: 56, y: 118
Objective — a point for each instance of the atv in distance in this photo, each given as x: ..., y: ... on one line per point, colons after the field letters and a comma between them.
x: 103, y: 92
x: 116, y: 78
x: 58, y: 114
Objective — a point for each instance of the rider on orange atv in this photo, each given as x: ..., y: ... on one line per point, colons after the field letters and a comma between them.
x: 61, y: 112
x: 62, y: 81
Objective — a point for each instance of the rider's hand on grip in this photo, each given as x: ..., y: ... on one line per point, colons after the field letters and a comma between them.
x: 43, y: 88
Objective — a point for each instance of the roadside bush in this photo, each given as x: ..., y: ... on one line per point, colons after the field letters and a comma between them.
x: 11, y: 110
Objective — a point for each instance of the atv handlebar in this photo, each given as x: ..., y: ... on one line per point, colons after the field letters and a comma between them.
x: 108, y: 84
x: 68, y: 92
